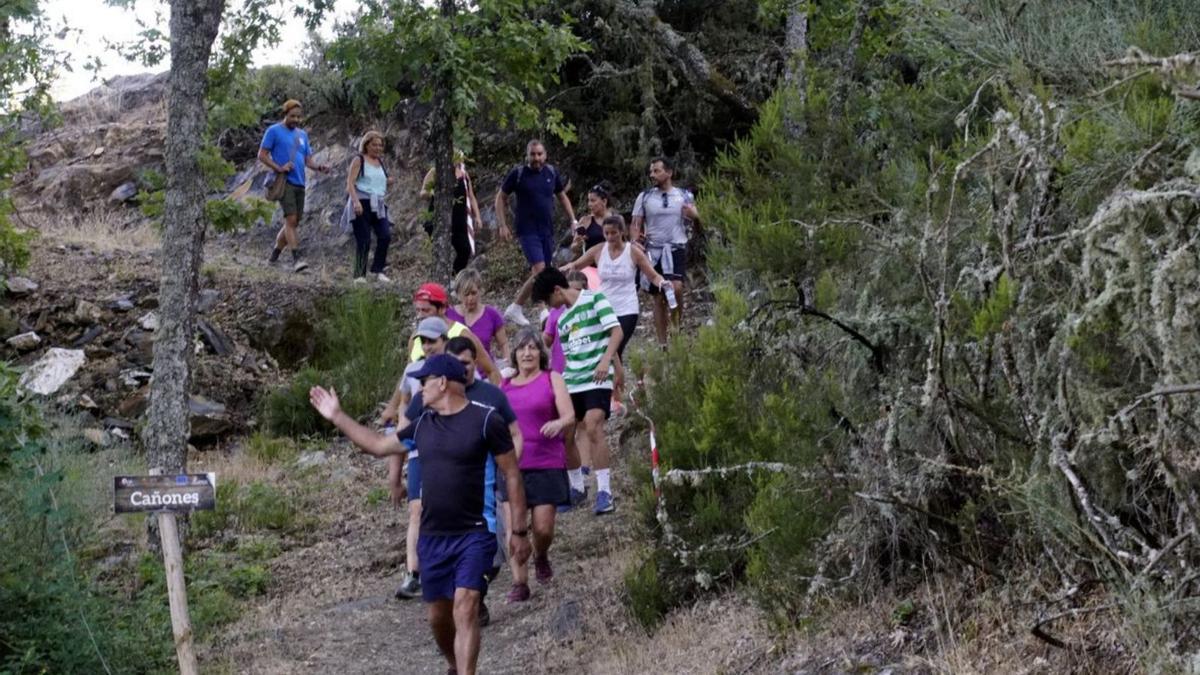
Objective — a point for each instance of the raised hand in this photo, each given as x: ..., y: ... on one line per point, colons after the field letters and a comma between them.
x: 326, y: 402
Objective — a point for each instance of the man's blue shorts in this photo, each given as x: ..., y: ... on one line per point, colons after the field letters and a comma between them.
x: 537, y: 247
x: 414, y: 478
x: 454, y: 561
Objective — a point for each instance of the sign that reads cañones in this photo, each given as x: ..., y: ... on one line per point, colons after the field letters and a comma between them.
x: 181, y: 494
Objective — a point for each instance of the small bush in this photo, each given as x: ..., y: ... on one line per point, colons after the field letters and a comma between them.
x: 287, y: 412
x: 359, y: 352
x: 270, y: 450
x: 265, y: 507
x: 249, y: 580
x: 645, y: 596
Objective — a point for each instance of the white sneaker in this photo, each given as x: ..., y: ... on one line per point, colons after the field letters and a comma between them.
x: 383, y: 278
x: 359, y: 281
x: 300, y: 266
x: 515, y: 314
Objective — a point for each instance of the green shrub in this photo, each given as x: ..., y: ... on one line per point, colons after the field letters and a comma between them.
x: 360, y: 352
x: 286, y: 410
x: 254, y: 508
x: 269, y: 449
x: 645, y: 595
x: 262, y: 506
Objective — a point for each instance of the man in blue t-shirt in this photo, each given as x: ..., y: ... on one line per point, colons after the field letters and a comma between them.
x: 286, y: 151
x: 456, y: 437
x: 537, y: 186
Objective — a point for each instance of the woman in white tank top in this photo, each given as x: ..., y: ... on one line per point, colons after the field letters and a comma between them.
x: 618, y: 261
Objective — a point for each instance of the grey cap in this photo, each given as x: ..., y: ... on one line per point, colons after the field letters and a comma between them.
x: 432, y: 327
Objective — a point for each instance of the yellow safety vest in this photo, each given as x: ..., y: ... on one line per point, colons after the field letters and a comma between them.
x: 417, y: 353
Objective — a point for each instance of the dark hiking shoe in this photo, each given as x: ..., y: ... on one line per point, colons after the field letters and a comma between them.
x: 275, y: 252
x: 519, y: 593
x: 542, y: 569
x: 410, y: 588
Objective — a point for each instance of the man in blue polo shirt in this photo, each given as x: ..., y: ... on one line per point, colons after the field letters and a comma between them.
x: 286, y: 151
x: 537, y: 186
x: 456, y: 437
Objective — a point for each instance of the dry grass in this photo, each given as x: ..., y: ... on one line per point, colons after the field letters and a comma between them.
x: 951, y: 627
x: 101, y: 231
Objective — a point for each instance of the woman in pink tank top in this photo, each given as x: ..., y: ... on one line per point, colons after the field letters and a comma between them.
x: 539, y: 397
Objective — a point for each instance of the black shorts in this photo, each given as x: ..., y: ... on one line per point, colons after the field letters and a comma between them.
x: 678, y: 261
x: 592, y: 399
x: 543, y: 487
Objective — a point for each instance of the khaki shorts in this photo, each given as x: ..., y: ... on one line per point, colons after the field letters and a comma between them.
x: 293, y: 201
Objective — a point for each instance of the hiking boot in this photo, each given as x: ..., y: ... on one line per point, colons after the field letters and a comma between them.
x: 485, y: 617
x: 604, y: 503
x: 542, y: 569
x: 519, y: 593
x: 515, y: 314
x: 300, y: 266
x: 410, y: 588
x: 274, y: 255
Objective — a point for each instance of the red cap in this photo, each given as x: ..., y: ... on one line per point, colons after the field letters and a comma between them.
x: 431, y: 292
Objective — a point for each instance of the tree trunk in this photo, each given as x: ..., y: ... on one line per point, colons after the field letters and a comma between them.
x: 795, y: 83
x: 194, y: 26
x: 441, y: 143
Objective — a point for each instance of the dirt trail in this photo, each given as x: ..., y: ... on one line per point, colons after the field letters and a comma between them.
x: 332, y: 610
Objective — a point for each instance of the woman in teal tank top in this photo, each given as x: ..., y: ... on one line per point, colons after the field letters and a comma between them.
x: 366, y: 184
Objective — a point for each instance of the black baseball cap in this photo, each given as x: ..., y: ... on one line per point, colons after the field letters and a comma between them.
x: 442, y: 365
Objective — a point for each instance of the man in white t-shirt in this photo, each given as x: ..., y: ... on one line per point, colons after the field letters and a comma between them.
x: 660, y: 217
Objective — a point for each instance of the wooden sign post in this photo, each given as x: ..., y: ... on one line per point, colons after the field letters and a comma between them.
x: 165, y: 496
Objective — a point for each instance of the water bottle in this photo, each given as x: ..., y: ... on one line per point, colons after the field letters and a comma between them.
x: 669, y: 291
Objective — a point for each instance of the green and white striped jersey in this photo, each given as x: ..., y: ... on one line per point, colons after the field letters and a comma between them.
x: 583, y: 329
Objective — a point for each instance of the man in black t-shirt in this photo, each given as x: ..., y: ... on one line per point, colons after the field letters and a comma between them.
x: 456, y: 548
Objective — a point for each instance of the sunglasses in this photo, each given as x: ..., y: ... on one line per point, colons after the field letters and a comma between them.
x: 666, y: 199
x: 596, y: 189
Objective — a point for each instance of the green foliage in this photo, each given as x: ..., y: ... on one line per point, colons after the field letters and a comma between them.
x: 286, y: 410
x: 270, y: 450
x: 377, y: 496
x: 360, y: 352
x: 645, y: 594
x: 257, y: 507
x: 224, y: 214
x: 21, y: 428
x: 27, y: 66
x: 995, y: 310
x: 497, y: 60
x: 963, y: 281
x: 724, y: 404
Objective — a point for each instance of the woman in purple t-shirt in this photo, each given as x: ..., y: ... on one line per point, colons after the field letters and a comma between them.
x: 484, y: 320
x: 539, y: 397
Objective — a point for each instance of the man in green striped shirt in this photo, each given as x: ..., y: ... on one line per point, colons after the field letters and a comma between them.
x: 590, y: 334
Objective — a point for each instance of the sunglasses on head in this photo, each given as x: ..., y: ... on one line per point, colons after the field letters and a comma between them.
x: 599, y: 190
